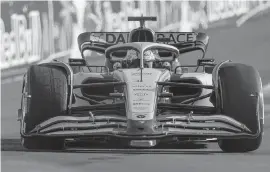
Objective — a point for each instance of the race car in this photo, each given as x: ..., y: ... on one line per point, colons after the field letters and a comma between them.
x: 143, y: 96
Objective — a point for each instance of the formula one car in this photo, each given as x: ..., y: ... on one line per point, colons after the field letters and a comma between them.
x: 143, y: 96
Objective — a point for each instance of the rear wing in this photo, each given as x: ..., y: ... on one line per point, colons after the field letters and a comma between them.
x: 184, y: 41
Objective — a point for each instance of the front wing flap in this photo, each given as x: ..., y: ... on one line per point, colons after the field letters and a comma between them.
x: 195, y: 126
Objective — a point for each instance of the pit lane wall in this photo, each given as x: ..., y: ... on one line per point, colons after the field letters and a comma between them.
x: 34, y: 31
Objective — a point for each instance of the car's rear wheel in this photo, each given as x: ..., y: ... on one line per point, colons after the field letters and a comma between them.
x: 242, y: 99
x: 47, y: 86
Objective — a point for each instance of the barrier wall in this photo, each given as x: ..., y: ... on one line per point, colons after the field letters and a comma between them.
x: 33, y: 30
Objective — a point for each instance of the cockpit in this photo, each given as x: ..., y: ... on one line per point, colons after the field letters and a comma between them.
x: 142, y: 55
x: 132, y: 59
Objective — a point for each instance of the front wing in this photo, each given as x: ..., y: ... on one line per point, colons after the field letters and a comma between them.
x: 189, y: 126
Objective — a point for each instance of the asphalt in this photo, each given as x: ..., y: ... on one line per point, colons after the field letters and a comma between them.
x: 248, y: 44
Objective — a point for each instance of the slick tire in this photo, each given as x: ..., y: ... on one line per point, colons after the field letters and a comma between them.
x: 242, y: 99
x: 47, y: 86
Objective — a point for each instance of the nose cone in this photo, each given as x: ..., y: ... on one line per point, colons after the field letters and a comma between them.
x: 141, y: 97
x: 140, y: 126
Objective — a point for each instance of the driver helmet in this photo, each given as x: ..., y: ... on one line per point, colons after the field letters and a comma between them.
x: 131, y: 55
x: 149, y: 57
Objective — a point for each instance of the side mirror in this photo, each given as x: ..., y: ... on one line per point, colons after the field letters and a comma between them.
x: 77, y: 62
x: 203, y: 62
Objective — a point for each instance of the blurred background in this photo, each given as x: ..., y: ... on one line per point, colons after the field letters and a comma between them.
x: 35, y: 31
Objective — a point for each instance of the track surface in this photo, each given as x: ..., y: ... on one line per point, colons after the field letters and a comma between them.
x: 249, y: 44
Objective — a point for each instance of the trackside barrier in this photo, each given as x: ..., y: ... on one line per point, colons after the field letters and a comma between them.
x: 17, y: 75
x: 63, y: 54
x: 28, y: 35
x: 252, y: 13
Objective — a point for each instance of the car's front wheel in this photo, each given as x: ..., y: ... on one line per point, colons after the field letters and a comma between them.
x: 47, y: 86
x: 242, y: 99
